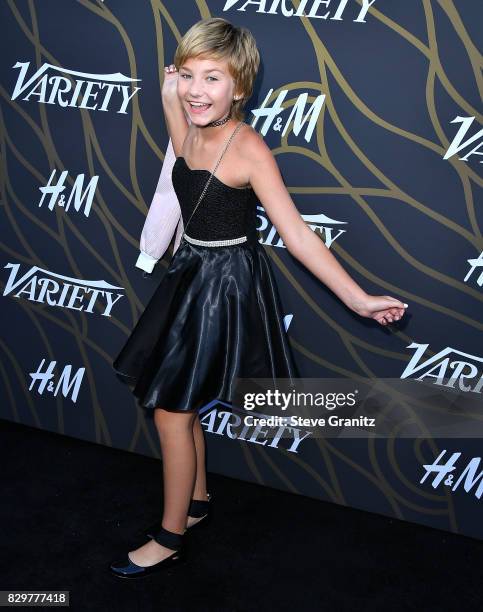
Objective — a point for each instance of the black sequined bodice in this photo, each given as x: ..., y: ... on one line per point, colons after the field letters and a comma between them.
x: 224, y: 212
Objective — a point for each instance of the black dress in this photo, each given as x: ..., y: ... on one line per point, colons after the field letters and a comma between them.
x: 216, y: 313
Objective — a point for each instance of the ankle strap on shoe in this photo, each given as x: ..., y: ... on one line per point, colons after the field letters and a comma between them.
x: 169, y: 538
x: 199, y: 507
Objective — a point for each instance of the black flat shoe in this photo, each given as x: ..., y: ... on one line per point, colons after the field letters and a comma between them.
x: 125, y: 568
x: 197, y: 509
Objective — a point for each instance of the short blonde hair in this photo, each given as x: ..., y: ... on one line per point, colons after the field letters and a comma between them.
x: 219, y: 39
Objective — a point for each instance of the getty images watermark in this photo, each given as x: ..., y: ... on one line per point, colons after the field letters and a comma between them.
x: 363, y: 407
x: 294, y: 400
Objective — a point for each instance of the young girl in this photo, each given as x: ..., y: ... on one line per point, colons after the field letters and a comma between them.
x: 216, y: 314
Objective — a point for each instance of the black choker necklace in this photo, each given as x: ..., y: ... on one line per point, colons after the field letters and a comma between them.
x: 221, y: 121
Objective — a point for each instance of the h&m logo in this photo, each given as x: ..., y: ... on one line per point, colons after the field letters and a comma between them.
x: 443, y: 473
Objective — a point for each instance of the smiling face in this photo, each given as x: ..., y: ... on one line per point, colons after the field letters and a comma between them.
x: 206, y: 89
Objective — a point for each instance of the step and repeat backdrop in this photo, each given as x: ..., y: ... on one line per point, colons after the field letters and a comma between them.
x: 373, y: 110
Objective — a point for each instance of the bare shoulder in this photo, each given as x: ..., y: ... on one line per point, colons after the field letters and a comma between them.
x: 258, y: 160
x: 252, y: 152
x: 268, y: 185
x: 251, y: 143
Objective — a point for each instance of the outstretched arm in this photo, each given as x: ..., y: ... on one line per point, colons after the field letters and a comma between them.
x: 303, y: 244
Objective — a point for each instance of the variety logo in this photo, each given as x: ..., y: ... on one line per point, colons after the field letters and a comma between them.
x: 78, y: 193
x: 220, y: 422
x: 476, y: 263
x: 67, y: 383
x: 306, y: 8
x: 318, y: 223
x: 63, y: 291
x: 443, y: 473
x: 297, y: 116
x: 459, y: 143
x: 448, y: 368
x: 63, y: 87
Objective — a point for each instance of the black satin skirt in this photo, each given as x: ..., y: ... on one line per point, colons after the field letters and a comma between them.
x: 215, y: 315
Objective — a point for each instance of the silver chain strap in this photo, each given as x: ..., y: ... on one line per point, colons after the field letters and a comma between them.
x: 212, y: 173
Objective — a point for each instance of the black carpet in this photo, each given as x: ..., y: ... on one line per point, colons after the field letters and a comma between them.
x: 70, y: 507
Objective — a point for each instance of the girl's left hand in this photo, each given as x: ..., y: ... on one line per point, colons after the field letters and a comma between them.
x: 383, y: 308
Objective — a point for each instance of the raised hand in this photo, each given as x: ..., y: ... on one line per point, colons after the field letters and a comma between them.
x: 170, y: 83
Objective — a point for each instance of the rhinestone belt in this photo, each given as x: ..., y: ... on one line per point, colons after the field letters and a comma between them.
x: 214, y: 243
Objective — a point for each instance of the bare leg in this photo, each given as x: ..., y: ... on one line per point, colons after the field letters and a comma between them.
x: 200, y: 482
x: 178, y: 450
